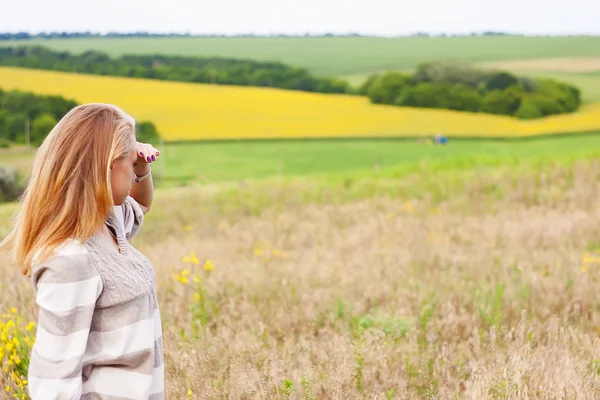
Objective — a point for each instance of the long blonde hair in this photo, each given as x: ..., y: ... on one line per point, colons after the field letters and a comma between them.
x: 69, y: 194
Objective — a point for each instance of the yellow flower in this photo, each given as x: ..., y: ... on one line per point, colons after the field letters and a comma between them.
x: 182, y: 279
x: 196, y: 279
x: 13, y: 310
x: 15, y: 341
x: 191, y: 259
x: 190, y: 392
x: 24, y: 381
x: 30, y: 326
x: 187, y: 228
x: 185, y: 272
x: 9, y: 346
x: 275, y: 252
x: 17, y: 360
x: 258, y: 252
x: 196, y: 297
x: 584, y: 268
x: 208, y: 266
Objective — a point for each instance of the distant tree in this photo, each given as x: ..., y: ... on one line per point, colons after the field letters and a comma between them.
x: 387, y: 88
x: 505, y: 102
x: 146, y: 132
x: 41, y: 127
x: 500, y: 81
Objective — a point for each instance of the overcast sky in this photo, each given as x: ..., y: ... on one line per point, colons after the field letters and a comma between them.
x: 381, y: 17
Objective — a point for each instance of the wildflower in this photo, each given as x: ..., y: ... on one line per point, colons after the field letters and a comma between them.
x: 258, y: 252
x: 185, y: 272
x: 13, y: 310
x: 208, y: 266
x: 9, y: 346
x: 584, y: 268
x: 196, y: 279
x: 30, y: 326
x: 191, y: 259
x: 187, y: 228
x: 190, y: 392
x: 7, y: 389
x: 182, y: 279
x: 196, y: 297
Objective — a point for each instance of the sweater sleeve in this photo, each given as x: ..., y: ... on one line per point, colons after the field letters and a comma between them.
x: 133, y: 216
x: 67, y: 288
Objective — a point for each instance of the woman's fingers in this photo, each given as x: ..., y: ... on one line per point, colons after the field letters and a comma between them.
x: 147, y: 152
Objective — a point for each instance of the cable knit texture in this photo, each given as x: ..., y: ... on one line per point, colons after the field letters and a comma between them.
x: 99, y: 330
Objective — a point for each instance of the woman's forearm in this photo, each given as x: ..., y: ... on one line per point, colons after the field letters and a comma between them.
x: 143, y: 192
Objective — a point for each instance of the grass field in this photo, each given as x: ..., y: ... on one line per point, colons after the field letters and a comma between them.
x: 440, y: 284
x: 344, y: 56
x: 184, y: 111
x: 215, y: 162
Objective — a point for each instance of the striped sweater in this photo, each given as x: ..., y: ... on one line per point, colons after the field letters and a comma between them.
x: 99, y: 331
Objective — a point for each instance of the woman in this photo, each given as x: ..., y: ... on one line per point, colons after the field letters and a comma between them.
x: 99, y: 331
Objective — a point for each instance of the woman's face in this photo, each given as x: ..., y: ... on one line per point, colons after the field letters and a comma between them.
x: 122, y: 176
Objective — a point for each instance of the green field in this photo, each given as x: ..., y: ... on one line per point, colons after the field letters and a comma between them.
x: 343, y: 56
x: 214, y: 162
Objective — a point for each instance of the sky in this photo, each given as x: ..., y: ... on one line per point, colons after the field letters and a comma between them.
x: 369, y: 17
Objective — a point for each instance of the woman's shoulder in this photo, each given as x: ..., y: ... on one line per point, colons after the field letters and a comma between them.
x: 130, y: 217
x: 68, y: 263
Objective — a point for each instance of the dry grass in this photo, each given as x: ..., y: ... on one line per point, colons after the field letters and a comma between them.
x: 481, y: 293
x: 570, y: 65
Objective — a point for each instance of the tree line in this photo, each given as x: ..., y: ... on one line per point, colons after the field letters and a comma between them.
x: 24, y: 114
x: 223, y: 71
x: 143, y: 34
x: 465, y: 88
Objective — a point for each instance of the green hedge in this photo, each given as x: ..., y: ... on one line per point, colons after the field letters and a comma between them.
x: 225, y: 71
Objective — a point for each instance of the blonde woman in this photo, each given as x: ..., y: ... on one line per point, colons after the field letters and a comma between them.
x: 99, y: 331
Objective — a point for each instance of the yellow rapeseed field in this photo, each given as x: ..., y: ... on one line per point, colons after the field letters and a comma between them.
x: 184, y: 111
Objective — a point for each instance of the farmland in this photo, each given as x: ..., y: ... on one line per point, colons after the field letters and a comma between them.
x: 184, y: 111
x: 344, y: 56
x: 337, y: 254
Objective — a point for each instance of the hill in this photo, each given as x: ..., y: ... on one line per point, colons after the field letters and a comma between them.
x: 335, y: 56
